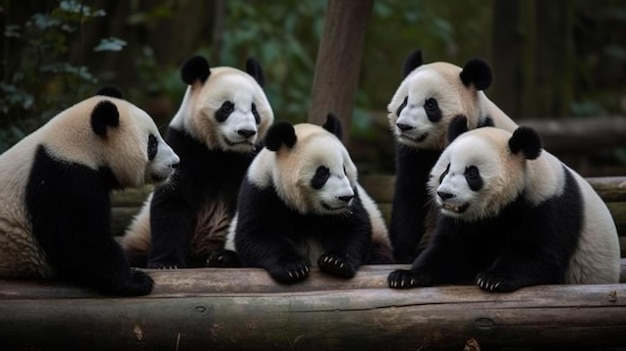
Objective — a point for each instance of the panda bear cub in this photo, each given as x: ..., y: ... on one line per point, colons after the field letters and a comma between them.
x: 216, y: 132
x: 55, y: 187
x: 300, y: 205
x: 512, y: 216
x: 427, y: 100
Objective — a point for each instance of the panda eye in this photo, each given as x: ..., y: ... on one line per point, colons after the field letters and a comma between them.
x: 322, y: 173
x: 430, y: 104
x: 471, y: 172
x: 227, y: 107
x: 153, y: 145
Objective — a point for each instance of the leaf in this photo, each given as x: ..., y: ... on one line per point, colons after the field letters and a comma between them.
x: 110, y: 44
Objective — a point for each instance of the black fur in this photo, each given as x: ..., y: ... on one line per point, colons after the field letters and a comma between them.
x: 457, y: 126
x: 478, y: 73
x: 280, y: 133
x: 203, y: 176
x: 410, y: 200
x: 69, y: 207
x: 253, y: 68
x: 524, y: 245
x: 268, y: 231
x: 412, y: 61
x: 333, y: 125
x: 526, y: 140
x: 111, y: 91
x: 104, y: 115
x: 195, y: 69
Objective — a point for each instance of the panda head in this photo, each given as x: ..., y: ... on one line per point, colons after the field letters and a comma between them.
x: 224, y: 108
x: 105, y: 131
x: 482, y: 171
x: 431, y: 95
x: 308, y: 166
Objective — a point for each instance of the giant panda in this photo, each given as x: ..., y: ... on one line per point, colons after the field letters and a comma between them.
x: 300, y: 205
x: 55, y: 186
x: 512, y: 215
x: 216, y: 132
x: 429, y: 97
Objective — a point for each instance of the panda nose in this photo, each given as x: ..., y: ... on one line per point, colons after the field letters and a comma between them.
x: 346, y: 198
x: 445, y: 196
x: 175, y: 165
x: 246, y: 133
x: 403, y: 127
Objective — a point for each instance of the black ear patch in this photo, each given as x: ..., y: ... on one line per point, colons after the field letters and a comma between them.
x: 478, y: 73
x: 278, y: 134
x: 104, y: 115
x: 526, y: 140
x: 457, y: 126
x: 253, y: 67
x: 412, y: 61
x: 195, y: 68
x: 111, y: 91
x: 333, y: 125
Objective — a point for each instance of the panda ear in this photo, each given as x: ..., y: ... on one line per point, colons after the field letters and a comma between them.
x: 413, y: 61
x: 478, y: 73
x: 333, y: 125
x: 104, y: 115
x: 278, y: 134
x: 253, y: 67
x: 526, y: 140
x: 111, y: 91
x: 457, y: 126
x: 195, y: 69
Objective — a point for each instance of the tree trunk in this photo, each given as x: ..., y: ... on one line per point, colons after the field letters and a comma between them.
x: 339, y: 61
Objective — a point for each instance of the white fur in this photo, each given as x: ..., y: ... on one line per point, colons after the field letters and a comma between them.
x: 69, y: 137
x: 439, y: 80
x: 196, y: 116
x: 197, y: 110
x: 505, y: 176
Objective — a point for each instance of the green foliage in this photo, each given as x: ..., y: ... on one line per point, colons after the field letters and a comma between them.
x: 284, y: 37
x: 39, y: 78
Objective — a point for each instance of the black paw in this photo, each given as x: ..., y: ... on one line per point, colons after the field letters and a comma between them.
x: 223, y: 258
x: 405, y: 279
x: 496, y: 283
x: 164, y: 265
x: 139, y: 283
x: 336, y: 265
x: 289, y: 272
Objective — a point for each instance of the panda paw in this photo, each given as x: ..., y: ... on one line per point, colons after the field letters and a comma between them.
x: 223, y: 258
x: 165, y: 265
x: 289, y: 273
x: 139, y: 284
x: 336, y: 265
x: 406, y: 279
x: 496, y: 283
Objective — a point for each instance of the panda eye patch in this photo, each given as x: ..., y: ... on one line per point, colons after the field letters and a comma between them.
x: 472, y: 176
x: 444, y: 174
x: 432, y: 109
x: 153, y: 146
x: 224, y: 111
x: 402, y: 106
x: 322, y: 173
x: 255, y: 113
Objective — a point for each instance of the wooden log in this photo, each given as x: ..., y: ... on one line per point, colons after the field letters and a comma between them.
x: 243, y: 309
x: 580, y: 134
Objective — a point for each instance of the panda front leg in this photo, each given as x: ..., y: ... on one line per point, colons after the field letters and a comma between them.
x: 521, y: 266
x: 344, y: 247
x: 445, y: 260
